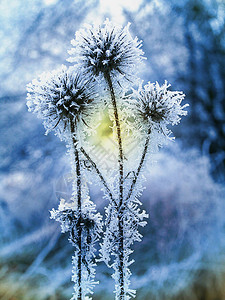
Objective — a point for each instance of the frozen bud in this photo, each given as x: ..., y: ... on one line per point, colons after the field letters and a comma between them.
x: 106, y: 49
x: 66, y: 215
x: 59, y: 97
x: 70, y: 218
x: 159, y: 106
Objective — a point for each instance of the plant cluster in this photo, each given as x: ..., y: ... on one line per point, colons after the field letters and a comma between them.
x: 70, y: 100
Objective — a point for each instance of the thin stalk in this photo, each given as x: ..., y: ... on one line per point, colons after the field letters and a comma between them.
x: 79, y: 229
x: 145, y: 150
x: 118, y: 129
x: 120, y: 161
x: 100, y: 176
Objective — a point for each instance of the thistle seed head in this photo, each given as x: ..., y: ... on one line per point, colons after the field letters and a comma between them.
x: 107, y: 49
x: 59, y: 98
x: 159, y: 106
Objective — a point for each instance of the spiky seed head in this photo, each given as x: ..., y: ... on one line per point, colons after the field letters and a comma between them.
x: 158, y: 106
x: 59, y: 98
x: 106, y: 49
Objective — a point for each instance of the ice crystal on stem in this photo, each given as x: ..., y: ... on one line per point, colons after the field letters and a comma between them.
x: 91, y: 226
x: 132, y: 218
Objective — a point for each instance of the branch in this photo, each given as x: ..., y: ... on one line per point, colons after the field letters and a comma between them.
x: 100, y: 175
x: 140, y: 165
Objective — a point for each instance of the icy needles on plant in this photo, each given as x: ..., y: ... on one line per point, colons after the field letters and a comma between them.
x: 159, y: 106
x: 59, y: 97
x: 90, y: 224
x: 62, y: 98
x: 107, y: 54
x: 107, y: 49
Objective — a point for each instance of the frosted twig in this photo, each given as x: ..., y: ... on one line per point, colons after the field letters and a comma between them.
x: 79, y: 228
x: 100, y: 175
x: 120, y: 161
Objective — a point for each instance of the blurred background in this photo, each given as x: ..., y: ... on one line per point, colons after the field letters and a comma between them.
x: 182, y: 255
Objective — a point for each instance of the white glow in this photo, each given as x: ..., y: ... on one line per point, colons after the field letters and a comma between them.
x: 49, y: 2
x: 115, y: 8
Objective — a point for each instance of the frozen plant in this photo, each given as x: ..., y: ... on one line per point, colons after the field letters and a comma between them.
x: 84, y: 230
x: 67, y: 102
x: 62, y: 98
x: 107, y: 51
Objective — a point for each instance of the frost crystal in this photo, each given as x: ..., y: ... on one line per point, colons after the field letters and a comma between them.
x: 108, y: 49
x: 89, y: 224
x: 158, y: 106
x: 59, y: 97
x: 131, y: 217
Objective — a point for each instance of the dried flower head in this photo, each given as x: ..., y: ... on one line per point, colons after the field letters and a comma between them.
x: 159, y: 106
x: 84, y: 230
x: 99, y: 50
x: 69, y: 218
x: 59, y: 97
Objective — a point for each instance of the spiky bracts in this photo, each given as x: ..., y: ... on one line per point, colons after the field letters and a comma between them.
x: 60, y: 97
x: 100, y: 50
x: 158, y: 107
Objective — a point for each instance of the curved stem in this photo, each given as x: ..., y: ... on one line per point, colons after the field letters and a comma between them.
x: 145, y: 150
x: 120, y: 161
x: 118, y: 129
x: 100, y: 175
x: 79, y: 229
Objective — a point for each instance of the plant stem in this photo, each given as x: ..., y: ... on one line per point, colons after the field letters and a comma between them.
x: 100, y: 175
x: 79, y: 229
x: 145, y: 150
x: 120, y: 161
